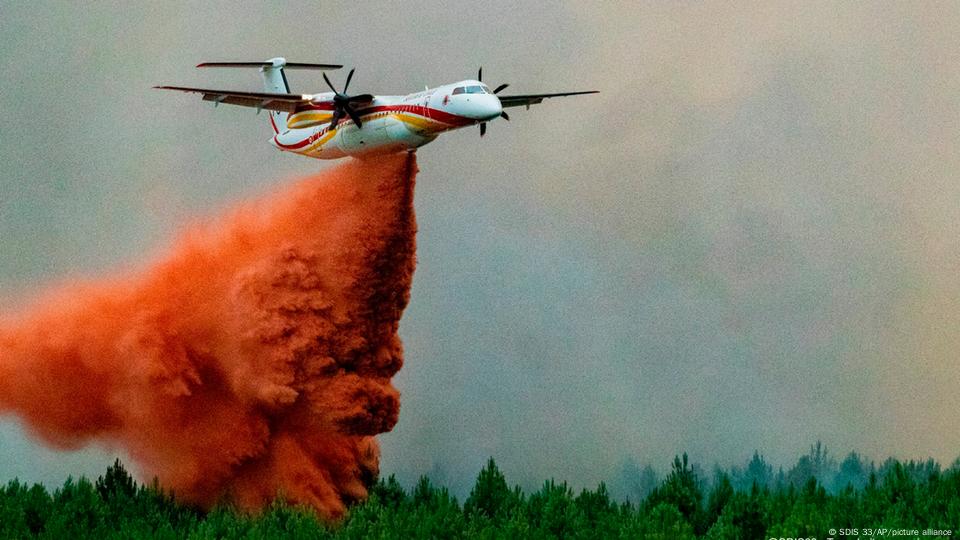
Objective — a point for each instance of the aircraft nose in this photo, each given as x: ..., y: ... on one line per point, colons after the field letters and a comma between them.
x: 495, y: 106
x: 483, y: 107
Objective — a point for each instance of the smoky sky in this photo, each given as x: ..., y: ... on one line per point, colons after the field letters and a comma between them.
x: 747, y: 240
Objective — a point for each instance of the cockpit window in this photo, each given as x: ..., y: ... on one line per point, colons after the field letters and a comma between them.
x: 470, y: 90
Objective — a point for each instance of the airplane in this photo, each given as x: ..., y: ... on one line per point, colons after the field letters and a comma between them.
x: 333, y: 125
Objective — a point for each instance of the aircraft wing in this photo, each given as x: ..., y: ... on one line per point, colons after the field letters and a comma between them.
x: 259, y: 100
x: 533, y: 99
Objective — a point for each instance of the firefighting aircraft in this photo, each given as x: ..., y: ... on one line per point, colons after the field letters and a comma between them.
x: 332, y: 125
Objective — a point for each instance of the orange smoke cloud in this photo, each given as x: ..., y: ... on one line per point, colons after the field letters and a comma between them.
x: 255, y: 358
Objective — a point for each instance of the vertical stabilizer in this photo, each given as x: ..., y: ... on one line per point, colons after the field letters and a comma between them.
x: 275, y: 81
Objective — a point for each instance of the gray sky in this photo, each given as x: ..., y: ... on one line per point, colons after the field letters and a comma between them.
x: 747, y: 241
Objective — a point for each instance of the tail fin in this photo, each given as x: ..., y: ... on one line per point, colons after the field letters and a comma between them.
x: 274, y: 80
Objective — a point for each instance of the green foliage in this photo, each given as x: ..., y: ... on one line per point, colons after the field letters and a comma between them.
x: 681, y: 490
x: 741, y: 518
x: 665, y: 522
x: 720, y: 496
x: 24, y: 511
x: 491, y: 498
x: 553, y: 511
x: 853, y: 472
x: 116, y: 483
x: 757, y: 471
x: 894, y: 495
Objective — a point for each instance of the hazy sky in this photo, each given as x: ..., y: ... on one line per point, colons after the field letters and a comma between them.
x: 749, y: 240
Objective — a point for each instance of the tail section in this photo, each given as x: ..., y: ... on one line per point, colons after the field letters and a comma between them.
x: 274, y: 80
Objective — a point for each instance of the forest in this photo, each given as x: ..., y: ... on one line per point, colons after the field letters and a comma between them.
x: 917, y: 499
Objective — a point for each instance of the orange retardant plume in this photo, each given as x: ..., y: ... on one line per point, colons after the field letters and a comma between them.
x: 253, y: 359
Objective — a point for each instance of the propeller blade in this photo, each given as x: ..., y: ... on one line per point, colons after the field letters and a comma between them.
x: 346, y: 84
x: 480, y: 74
x: 505, y: 116
x: 354, y: 116
x: 483, y: 129
x: 335, y: 119
x: 361, y: 97
x: 501, y: 87
x: 330, y: 84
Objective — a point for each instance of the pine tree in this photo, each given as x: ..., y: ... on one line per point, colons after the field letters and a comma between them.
x: 490, y: 496
x: 681, y: 489
x: 116, y: 483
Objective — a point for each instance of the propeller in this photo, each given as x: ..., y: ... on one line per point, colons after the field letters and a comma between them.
x: 504, y: 115
x: 342, y: 103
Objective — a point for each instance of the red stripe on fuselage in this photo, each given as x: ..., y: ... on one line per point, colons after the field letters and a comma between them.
x: 299, y: 144
x: 433, y: 114
x: 426, y: 112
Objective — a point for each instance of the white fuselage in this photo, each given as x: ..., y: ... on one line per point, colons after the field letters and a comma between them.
x: 390, y: 123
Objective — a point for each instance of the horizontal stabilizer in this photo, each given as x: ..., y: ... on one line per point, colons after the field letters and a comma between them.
x: 287, y: 65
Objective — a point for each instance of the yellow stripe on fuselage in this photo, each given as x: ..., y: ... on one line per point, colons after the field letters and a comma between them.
x: 306, y: 119
x: 420, y: 122
x: 316, y: 145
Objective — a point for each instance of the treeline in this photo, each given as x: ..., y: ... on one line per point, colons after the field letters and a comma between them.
x: 635, y: 482
x: 732, y: 504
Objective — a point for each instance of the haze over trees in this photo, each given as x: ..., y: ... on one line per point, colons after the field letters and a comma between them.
x: 743, y: 502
